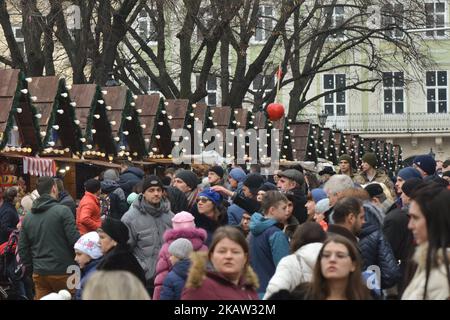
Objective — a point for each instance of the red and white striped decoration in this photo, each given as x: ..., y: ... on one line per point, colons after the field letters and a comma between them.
x: 39, y: 166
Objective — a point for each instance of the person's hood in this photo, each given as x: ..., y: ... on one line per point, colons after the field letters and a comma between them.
x: 258, y: 223
x: 372, y: 215
x: 92, y: 264
x: 200, y: 268
x: 144, y: 207
x: 136, y: 171
x: 181, y: 268
x: 197, y: 236
x: 109, y: 186
x: 43, y: 203
x: 309, y: 253
x: 63, y: 194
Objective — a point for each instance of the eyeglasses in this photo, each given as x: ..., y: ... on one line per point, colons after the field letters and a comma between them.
x: 339, y: 255
x: 202, y: 199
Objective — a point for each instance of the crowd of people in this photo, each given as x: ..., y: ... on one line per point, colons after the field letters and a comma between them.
x: 214, y: 232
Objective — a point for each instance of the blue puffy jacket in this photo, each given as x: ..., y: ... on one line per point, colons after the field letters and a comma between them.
x: 174, y: 282
x: 129, y: 178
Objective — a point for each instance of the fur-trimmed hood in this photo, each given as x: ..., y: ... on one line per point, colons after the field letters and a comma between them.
x: 197, y: 236
x: 200, y: 269
x: 420, y: 256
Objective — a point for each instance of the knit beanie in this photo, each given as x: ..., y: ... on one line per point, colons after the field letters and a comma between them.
x: 426, y: 163
x: 318, y: 194
x: 181, y: 248
x: 217, y: 170
x: 116, y: 229
x: 133, y: 196
x: 253, y: 181
x: 267, y: 186
x: 412, y: 185
x: 323, y: 205
x: 92, y: 185
x: 89, y: 244
x: 374, y: 189
x: 151, y: 181
x: 409, y: 173
x: 345, y: 157
x: 26, y: 203
x: 111, y: 174
x: 370, y: 158
x: 237, y: 174
x: 183, y: 220
x: 188, y: 177
x: 212, y: 195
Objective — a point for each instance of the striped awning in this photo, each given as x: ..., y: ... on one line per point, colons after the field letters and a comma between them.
x: 39, y: 166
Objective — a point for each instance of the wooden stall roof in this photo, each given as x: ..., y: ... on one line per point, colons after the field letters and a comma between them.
x: 259, y: 120
x: 300, y: 135
x: 316, y: 132
x: 242, y: 117
x: 176, y: 112
x: 200, y: 112
x: 83, y: 95
x: 221, y: 118
x: 339, y: 142
x: 45, y: 90
x: 116, y: 97
x: 11, y: 81
x: 149, y: 105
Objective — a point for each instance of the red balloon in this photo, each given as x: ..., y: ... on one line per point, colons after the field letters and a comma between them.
x: 275, y: 111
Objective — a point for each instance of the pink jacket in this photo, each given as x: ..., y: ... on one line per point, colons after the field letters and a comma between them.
x: 197, y: 236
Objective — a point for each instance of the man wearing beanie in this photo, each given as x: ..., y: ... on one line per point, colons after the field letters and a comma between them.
x: 187, y: 182
x: 46, y: 240
x: 406, y: 174
x: 293, y: 181
x: 88, y: 212
x: 426, y: 165
x: 147, y: 219
x: 345, y: 165
x: 369, y: 173
x: 215, y: 176
x: 236, y: 177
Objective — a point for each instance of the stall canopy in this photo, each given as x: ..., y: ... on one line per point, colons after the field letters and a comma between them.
x: 39, y: 166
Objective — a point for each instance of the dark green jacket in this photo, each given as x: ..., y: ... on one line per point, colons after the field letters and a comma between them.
x: 47, y: 237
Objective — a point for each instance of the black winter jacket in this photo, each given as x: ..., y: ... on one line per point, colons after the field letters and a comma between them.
x: 9, y: 218
x: 300, y: 212
x: 66, y: 199
x: 130, y: 178
x: 118, y: 204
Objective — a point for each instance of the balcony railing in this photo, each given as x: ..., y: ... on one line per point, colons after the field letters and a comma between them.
x: 416, y: 122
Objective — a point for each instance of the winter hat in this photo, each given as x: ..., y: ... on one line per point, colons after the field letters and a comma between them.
x: 374, y: 189
x: 323, y: 205
x: 211, y: 195
x: 267, y: 186
x: 116, y: 229
x: 217, y: 170
x: 345, y: 157
x: 370, y: 158
x: 181, y: 248
x: 409, y: 173
x: 111, y: 174
x: 151, y: 181
x: 89, y: 244
x: 183, y: 220
x: 61, y: 295
x: 327, y: 170
x: 237, y: 174
x: 426, y: 163
x: 133, y: 196
x: 318, y: 194
x: 26, y: 203
x: 188, y: 177
x: 253, y: 181
x: 293, y: 174
x: 92, y: 185
x: 412, y: 185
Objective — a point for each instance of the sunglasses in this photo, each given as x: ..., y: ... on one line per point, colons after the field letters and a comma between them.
x: 202, y: 199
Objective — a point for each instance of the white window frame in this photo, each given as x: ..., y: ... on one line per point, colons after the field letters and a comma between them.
x: 396, y: 33
x: 436, y: 89
x: 334, y: 103
x: 435, y: 34
x: 149, y: 81
x: 20, y: 40
x: 265, y: 78
x: 150, y: 27
x: 264, y: 19
x: 334, y: 23
x: 393, y: 90
x: 211, y: 91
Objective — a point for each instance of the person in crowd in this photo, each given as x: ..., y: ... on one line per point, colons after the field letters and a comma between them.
x: 268, y: 243
x: 378, y: 197
x: 322, y: 206
x: 177, y: 199
x: 114, y: 200
x: 235, y: 178
x: 147, y: 219
x: 370, y: 173
x: 446, y: 176
x: 9, y: 218
x: 426, y: 165
x: 65, y: 198
x: 25, y: 205
x: 314, y: 196
x: 87, y: 254
x: 187, y: 181
x: 348, y: 218
x: 244, y: 226
x: 333, y: 188
x: 173, y: 284
x: 345, y: 165
x: 169, y: 174
x: 266, y: 186
x: 136, y: 191
x: 224, y: 273
x: 290, y: 222
x: 405, y: 174
x: 117, y: 255
x: 326, y: 174
x: 215, y: 176
x: 183, y: 227
x: 129, y: 177
x: 114, y: 285
x: 298, y: 267
x: 293, y: 181
x: 430, y: 224
x: 88, y: 211
x: 46, y: 240
x: 211, y: 212
x: 311, y: 180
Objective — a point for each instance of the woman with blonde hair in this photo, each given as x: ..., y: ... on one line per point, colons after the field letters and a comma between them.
x: 114, y: 285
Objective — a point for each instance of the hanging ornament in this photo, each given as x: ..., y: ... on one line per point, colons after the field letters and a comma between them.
x: 275, y: 111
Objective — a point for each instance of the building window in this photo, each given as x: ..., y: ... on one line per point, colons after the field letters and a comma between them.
x: 146, y: 29
x: 338, y: 21
x: 147, y: 85
x: 392, y: 20
x: 265, y: 24
x: 263, y: 84
x: 436, y: 91
x: 394, y: 95
x: 211, y: 88
x: 334, y: 101
x: 436, y: 13
x: 18, y: 35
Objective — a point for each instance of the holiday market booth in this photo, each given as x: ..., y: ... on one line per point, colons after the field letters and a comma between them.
x: 318, y: 140
x: 302, y: 142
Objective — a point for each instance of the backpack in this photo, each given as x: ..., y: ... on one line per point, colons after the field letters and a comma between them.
x: 11, y: 268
